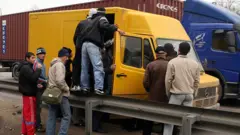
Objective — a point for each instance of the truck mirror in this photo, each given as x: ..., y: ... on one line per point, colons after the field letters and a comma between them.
x: 232, y: 49
x: 236, y: 27
x: 230, y: 39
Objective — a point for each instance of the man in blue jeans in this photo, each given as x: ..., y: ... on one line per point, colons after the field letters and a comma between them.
x: 93, y: 42
x: 57, y: 79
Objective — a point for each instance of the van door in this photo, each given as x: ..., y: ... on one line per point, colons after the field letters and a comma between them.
x: 133, y: 53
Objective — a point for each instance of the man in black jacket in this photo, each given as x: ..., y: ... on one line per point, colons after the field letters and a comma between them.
x: 78, y: 41
x: 93, y: 42
x: 28, y: 79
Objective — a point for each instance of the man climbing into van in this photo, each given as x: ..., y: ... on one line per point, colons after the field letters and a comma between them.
x: 78, y: 38
x: 93, y: 42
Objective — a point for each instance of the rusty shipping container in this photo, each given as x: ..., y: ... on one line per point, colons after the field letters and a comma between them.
x: 14, y: 31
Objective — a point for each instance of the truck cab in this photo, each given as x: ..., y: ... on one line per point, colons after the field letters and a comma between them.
x: 215, y: 33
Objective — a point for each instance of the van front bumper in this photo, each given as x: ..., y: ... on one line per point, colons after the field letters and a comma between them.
x: 215, y: 107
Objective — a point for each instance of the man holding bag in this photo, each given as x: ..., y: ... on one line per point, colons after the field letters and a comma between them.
x: 57, y: 80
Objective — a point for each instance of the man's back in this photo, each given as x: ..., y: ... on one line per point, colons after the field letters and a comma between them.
x: 154, y: 80
x: 57, y: 76
x: 182, y: 75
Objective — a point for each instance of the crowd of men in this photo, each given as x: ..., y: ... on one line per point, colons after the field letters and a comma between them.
x: 170, y: 78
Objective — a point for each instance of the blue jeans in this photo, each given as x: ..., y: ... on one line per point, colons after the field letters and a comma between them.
x: 91, y: 53
x: 52, y: 117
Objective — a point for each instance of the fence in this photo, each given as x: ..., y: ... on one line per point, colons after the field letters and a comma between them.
x: 186, y: 117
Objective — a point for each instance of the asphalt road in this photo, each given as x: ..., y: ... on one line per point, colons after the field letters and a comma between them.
x: 10, y: 119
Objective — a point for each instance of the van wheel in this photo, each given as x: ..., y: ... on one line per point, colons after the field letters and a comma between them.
x: 15, y: 71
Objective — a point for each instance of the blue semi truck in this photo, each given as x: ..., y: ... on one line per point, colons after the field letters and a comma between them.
x: 215, y: 32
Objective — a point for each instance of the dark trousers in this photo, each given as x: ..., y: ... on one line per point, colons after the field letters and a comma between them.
x: 147, y: 128
x: 77, y: 67
x: 38, y: 108
x: 97, y: 117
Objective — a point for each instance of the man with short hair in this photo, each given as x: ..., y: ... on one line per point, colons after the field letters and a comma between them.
x: 182, y: 80
x: 28, y: 80
x: 57, y: 79
x: 42, y: 84
x: 154, y: 82
x: 93, y: 42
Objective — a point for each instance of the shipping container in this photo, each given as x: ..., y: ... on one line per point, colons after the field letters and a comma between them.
x: 14, y: 31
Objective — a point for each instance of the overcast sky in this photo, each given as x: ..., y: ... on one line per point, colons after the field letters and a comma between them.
x: 14, y: 6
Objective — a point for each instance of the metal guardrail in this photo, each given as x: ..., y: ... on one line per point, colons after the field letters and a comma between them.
x: 186, y: 117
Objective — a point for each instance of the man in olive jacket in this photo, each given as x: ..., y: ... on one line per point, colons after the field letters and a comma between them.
x: 154, y: 82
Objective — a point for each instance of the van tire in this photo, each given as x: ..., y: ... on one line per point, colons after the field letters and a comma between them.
x: 15, y: 72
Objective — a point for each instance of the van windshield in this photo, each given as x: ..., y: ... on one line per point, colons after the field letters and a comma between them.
x: 192, y: 54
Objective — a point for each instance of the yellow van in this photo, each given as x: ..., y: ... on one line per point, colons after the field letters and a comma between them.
x: 132, y: 52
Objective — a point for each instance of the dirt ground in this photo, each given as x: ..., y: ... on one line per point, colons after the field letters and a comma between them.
x: 10, y: 120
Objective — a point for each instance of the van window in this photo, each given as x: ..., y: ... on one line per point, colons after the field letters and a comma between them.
x: 148, y: 54
x: 219, y: 41
x: 133, y: 52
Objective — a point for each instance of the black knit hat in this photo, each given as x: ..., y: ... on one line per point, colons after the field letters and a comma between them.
x: 41, y: 50
x: 160, y: 50
x: 63, y: 52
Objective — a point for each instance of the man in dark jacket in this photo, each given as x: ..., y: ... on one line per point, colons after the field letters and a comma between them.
x: 78, y: 41
x: 28, y: 81
x: 68, y: 76
x: 93, y: 42
x: 154, y: 82
x: 171, y: 53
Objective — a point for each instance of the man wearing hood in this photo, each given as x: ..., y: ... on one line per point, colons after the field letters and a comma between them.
x: 57, y: 79
x: 154, y: 82
x: 42, y: 84
x: 28, y: 80
x: 78, y: 41
x: 93, y: 42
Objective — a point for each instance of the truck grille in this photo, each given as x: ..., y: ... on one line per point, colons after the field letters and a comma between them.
x: 205, y: 102
x: 206, y: 92
x: 206, y: 97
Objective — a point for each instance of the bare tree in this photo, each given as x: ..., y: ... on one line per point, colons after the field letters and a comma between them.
x: 233, y: 5
x: 34, y: 8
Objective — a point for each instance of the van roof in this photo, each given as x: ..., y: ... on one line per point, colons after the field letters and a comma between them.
x: 158, y: 26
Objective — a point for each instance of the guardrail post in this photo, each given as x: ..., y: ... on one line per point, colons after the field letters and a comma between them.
x: 88, y: 115
x: 187, y: 122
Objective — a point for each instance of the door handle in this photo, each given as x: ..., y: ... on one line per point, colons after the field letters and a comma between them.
x: 121, y: 75
x: 213, y: 61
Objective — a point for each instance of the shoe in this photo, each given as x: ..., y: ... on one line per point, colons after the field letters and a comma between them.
x: 76, y: 88
x: 40, y: 129
x: 85, y: 90
x: 99, y: 92
x: 100, y: 131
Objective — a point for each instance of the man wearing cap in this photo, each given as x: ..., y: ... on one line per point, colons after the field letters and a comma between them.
x: 78, y: 41
x: 154, y: 82
x: 42, y: 83
x: 57, y: 79
x: 93, y: 42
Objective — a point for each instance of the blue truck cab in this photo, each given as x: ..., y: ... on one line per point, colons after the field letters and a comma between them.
x: 215, y: 32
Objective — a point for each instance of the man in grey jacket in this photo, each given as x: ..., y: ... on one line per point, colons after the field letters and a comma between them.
x: 182, y: 80
x: 57, y: 78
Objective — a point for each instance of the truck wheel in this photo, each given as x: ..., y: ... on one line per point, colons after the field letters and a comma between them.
x: 15, y: 72
x: 220, y: 92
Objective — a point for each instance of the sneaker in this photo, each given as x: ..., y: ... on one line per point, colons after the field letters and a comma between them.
x: 85, y: 90
x: 75, y: 88
x: 99, y: 92
x: 40, y: 129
